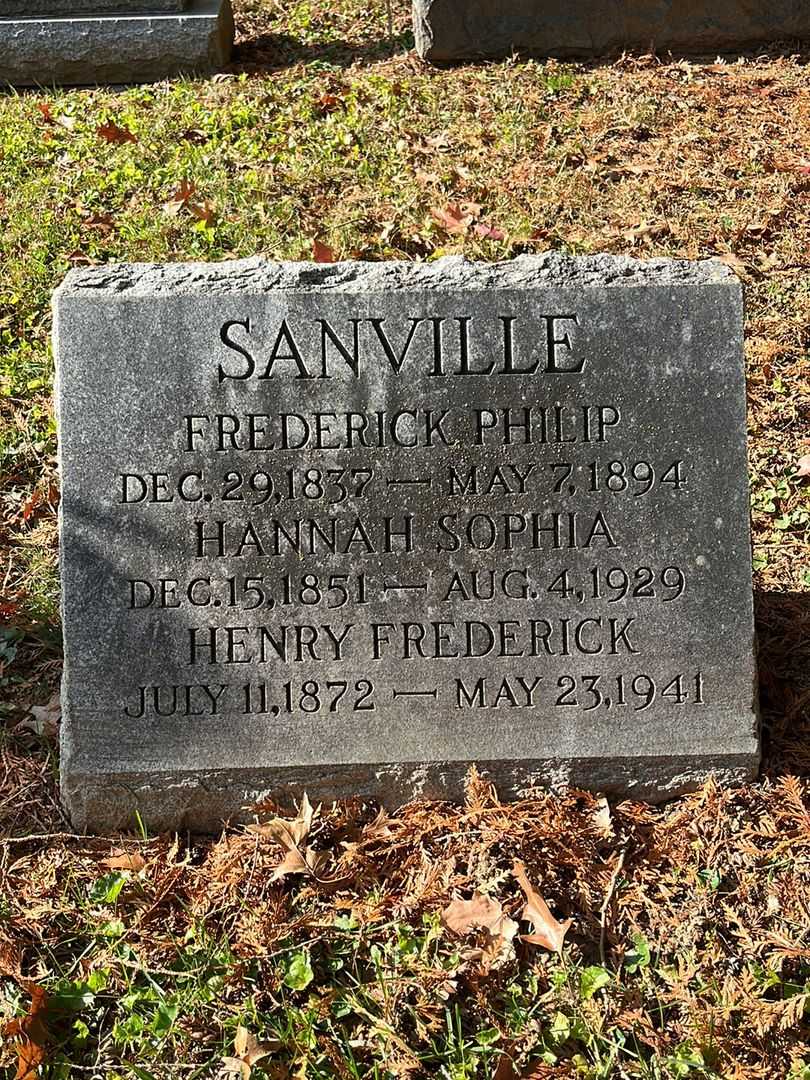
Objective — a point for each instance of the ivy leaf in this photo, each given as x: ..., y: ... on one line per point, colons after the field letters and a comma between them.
x: 298, y: 973
x: 107, y: 889
x: 591, y: 980
x: 639, y: 956
x: 165, y: 1016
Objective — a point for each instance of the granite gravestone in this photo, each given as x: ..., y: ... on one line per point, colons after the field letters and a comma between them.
x: 63, y: 8
x: 85, y: 42
x: 447, y: 30
x: 350, y: 528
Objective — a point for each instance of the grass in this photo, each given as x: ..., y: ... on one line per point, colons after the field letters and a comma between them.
x: 688, y: 955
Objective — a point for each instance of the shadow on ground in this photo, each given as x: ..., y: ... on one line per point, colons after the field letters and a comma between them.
x: 265, y: 51
x: 273, y: 52
x: 783, y: 632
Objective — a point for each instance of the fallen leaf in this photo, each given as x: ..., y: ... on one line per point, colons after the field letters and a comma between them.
x: 203, y: 211
x: 646, y: 230
x: 179, y: 198
x: 322, y: 253
x: 485, y: 913
x: 81, y: 258
x: 195, y: 136
x: 30, y: 1036
x: 379, y: 828
x: 296, y: 862
x: 10, y: 961
x: 489, y: 232
x: 737, y: 265
x: 292, y: 835
x: 803, y: 465
x: 506, y: 1069
x: 248, y: 1051
x: 289, y: 833
x: 603, y: 819
x: 327, y: 102
x: 455, y: 218
x: 112, y: 133
x: 801, y: 166
x: 463, y: 915
x: 31, y: 503
x: 45, y: 109
x: 43, y: 720
x: 103, y: 223
x: 9, y: 608
x: 438, y: 142
x: 546, y: 931
x: 125, y: 860
x: 426, y: 178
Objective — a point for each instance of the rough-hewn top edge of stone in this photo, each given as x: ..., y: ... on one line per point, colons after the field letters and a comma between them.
x: 258, y: 275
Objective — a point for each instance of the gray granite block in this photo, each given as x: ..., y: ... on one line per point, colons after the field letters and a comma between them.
x: 350, y: 528
x: 448, y: 30
x: 65, y: 8
x: 112, y: 48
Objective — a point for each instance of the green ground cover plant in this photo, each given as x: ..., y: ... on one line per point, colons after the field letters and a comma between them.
x: 139, y: 957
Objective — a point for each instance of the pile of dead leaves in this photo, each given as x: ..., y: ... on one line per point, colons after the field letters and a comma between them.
x: 684, y: 925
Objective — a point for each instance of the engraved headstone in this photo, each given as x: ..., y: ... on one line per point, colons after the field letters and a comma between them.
x: 447, y: 30
x: 88, y: 42
x: 347, y: 529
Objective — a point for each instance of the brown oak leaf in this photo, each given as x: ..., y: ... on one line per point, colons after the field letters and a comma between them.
x: 180, y: 198
x: 546, y: 931
x: 125, y: 860
x: 248, y: 1051
x: 30, y: 1035
x: 485, y: 913
x: 299, y: 858
x: 489, y: 232
x: 112, y: 133
x: 322, y: 253
x: 455, y: 218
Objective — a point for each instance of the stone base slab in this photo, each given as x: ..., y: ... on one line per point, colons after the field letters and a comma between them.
x: 201, y: 801
x: 86, y: 50
x: 451, y: 30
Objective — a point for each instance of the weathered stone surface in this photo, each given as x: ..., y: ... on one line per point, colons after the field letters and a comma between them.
x: 110, y: 48
x: 64, y: 8
x: 506, y: 523
x: 449, y: 30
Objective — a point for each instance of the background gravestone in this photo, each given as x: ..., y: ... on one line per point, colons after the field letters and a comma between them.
x: 351, y: 528
x: 84, y: 42
x: 472, y: 29
x: 61, y: 8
